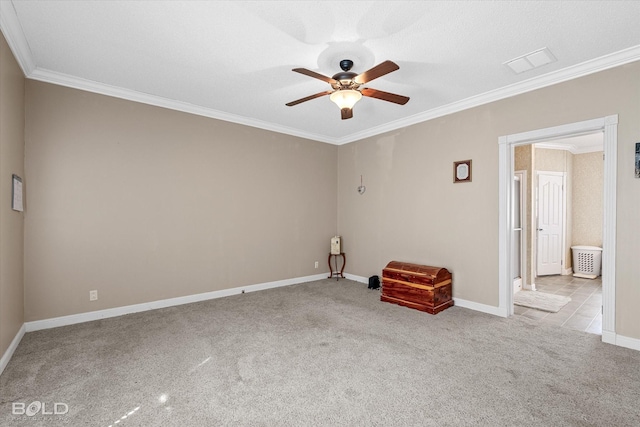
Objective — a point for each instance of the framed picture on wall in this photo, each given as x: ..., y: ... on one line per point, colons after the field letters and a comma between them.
x: 462, y: 171
x: 637, y: 159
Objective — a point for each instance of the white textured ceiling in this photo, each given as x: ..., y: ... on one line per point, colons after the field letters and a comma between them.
x: 233, y: 60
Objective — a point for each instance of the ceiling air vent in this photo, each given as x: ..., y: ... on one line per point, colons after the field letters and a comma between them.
x: 531, y: 60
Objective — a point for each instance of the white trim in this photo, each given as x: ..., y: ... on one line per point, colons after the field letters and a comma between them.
x: 567, y: 272
x: 356, y: 278
x: 517, y: 284
x: 566, y: 130
x: 609, y: 224
x: 606, y: 62
x: 10, y: 26
x: 459, y: 302
x: 476, y: 306
x: 632, y: 343
x: 620, y: 340
x: 471, y: 305
x: 505, y: 193
x: 609, y: 337
x: 507, y: 143
x: 4, y: 361
x: 61, y: 79
x: 524, y: 229
x: 136, y: 308
x: 12, y: 30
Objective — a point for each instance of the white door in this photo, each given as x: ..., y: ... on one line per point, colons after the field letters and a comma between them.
x: 550, y: 223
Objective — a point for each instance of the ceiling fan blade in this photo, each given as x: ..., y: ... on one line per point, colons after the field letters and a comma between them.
x: 308, y: 98
x: 385, y: 96
x: 346, y: 113
x: 379, y: 70
x: 314, y: 75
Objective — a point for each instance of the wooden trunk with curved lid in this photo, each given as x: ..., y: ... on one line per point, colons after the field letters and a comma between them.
x: 416, y: 286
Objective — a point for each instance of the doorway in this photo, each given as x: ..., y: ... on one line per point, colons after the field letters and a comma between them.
x: 507, y: 143
x: 566, y: 212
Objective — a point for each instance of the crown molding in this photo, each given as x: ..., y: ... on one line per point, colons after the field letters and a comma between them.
x: 61, y: 79
x: 602, y: 63
x: 11, y: 28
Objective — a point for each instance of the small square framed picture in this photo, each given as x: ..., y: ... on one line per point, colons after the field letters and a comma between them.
x: 462, y: 171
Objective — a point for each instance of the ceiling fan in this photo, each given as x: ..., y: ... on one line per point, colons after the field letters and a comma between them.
x: 347, y: 88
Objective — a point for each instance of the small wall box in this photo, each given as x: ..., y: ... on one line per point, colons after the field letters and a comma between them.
x: 335, y: 245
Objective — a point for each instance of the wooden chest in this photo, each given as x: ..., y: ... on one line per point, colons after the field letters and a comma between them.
x: 417, y: 286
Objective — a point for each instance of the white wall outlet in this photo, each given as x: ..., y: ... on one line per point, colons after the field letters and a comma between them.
x: 93, y: 295
x: 316, y: 264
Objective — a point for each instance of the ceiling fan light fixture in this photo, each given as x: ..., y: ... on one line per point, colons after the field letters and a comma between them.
x: 345, y: 98
x: 347, y: 88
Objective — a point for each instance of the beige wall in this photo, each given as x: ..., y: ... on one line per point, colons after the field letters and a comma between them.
x: 412, y: 211
x: 143, y: 203
x: 11, y: 222
x: 588, y: 178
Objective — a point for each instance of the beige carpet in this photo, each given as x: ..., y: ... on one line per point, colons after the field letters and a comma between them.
x: 325, y: 353
x: 540, y: 300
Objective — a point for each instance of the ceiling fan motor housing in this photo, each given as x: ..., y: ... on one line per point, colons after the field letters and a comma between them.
x: 346, y: 64
x: 345, y: 78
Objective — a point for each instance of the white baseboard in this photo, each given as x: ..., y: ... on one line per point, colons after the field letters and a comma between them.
x: 620, y: 340
x: 567, y: 272
x: 517, y: 284
x: 136, y: 308
x: 496, y: 311
x: 609, y: 337
x: 356, y: 278
x: 489, y: 309
x: 4, y: 361
x: 632, y: 343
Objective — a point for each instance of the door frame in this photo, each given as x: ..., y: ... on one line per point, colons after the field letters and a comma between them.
x: 609, y: 126
x: 524, y: 273
x: 536, y: 211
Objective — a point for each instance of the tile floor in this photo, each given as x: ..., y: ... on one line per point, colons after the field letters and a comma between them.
x: 582, y: 313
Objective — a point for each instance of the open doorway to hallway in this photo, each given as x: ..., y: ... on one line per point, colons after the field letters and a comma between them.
x: 506, y: 145
x: 560, y: 209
